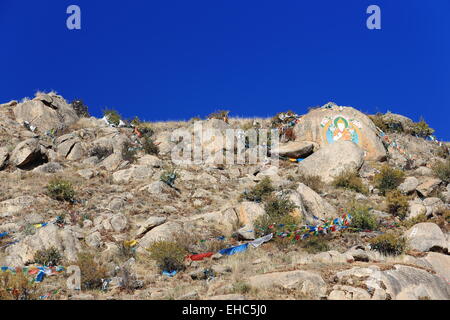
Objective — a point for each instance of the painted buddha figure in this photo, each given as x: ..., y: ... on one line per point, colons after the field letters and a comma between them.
x: 342, y: 131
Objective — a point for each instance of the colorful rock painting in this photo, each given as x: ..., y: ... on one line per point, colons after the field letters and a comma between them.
x: 340, y: 128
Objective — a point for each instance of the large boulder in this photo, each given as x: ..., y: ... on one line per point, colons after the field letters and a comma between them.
x: 332, y: 124
x: 133, y: 173
x: 409, y: 185
x: 69, y: 147
x: 64, y: 240
x: 315, y: 205
x: 225, y: 220
x: 428, y: 186
x: 308, y: 283
x: 165, y: 232
x: 28, y: 153
x: 426, y: 236
x: 46, y: 112
x: 332, y: 160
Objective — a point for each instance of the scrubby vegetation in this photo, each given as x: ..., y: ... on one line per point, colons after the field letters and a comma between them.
x: 413, y: 221
x: 313, y: 182
x: 16, y: 286
x: 92, y: 272
x: 315, y: 244
x: 260, y: 192
x: 113, y: 116
x: 80, y: 108
x: 351, y: 181
x: 277, y: 206
x: 397, y: 204
x: 48, y: 257
x: 61, y: 190
x: 389, y: 244
x: 168, y: 255
x: 149, y: 146
x: 361, y: 217
x: 442, y: 170
x: 421, y: 129
x: 220, y: 114
x: 388, y: 179
x: 386, y: 124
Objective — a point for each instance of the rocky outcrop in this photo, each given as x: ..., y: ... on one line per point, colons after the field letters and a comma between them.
x: 332, y: 160
x: 330, y: 124
x: 46, y: 112
x: 295, y: 149
x: 308, y: 283
x: 28, y: 153
x: 315, y: 205
x: 64, y: 240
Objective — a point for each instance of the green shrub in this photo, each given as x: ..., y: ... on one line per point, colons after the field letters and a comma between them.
x: 16, y: 286
x: 397, y: 204
x: 112, y: 116
x: 92, y: 272
x: 315, y: 244
x: 313, y: 182
x: 389, y: 244
x: 259, y: 192
x: 241, y: 287
x: 61, y: 190
x: 169, y: 256
x: 149, y: 146
x: 442, y: 170
x: 421, y: 129
x: 388, y: 179
x: 388, y: 125
x: 48, y: 257
x: 351, y: 181
x: 362, y: 218
x: 129, y: 152
x: 278, y: 206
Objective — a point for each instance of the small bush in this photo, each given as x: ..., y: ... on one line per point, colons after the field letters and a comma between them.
x: 442, y: 170
x: 80, y: 109
x: 313, y: 182
x: 92, y: 273
x: 266, y: 224
x: 221, y: 115
x: 17, y: 287
x: 48, y: 257
x: 315, y: 244
x: 443, y: 152
x: 351, y: 181
x: 169, y: 256
x: 279, y: 206
x: 149, y: 146
x: 113, y: 116
x: 100, y: 152
x: 129, y: 152
x: 386, y: 124
x: 259, y: 192
x: 362, y: 218
x: 413, y: 221
x: 388, y: 179
x: 389, y: 244
x: 61, y: 190
x: 241, y: 287
x: 397, y: 204
x: 421, y: 129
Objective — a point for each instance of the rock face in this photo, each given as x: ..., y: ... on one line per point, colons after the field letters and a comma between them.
x: 314, y: 204
x: 328, y: 125
x: 46, y: 112
x: 333, y: 159
x: 65, y: 240
x: 428, y: 186
x: 164, y: 232
x: 4, y: 156
x: 426, y: 236
x: 308, y: 283
x: 27, y: 153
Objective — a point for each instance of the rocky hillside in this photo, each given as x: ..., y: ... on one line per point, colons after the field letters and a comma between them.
x: 357, y: 209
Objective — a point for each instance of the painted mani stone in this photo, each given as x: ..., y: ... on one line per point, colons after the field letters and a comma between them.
x: 340, y: 128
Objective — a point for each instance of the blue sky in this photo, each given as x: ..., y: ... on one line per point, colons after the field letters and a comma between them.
x: 173, y: 59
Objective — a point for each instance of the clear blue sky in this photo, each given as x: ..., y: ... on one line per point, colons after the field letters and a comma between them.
x: 175, y: 59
